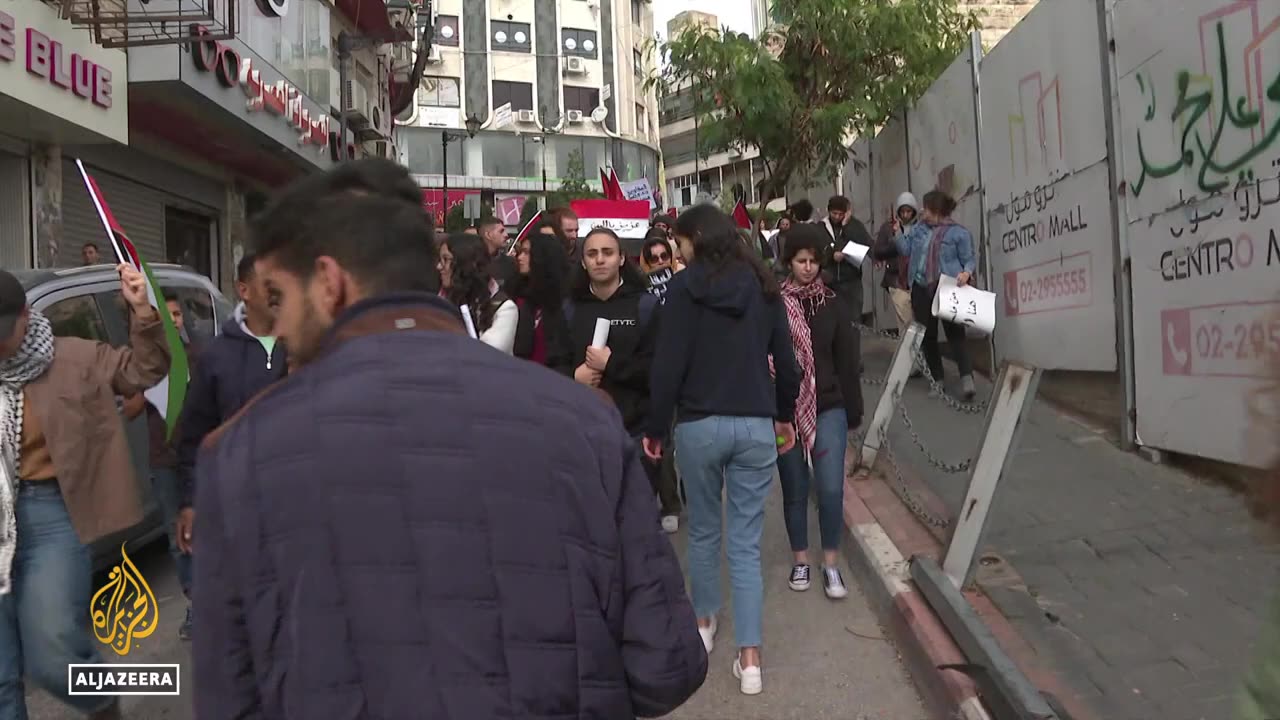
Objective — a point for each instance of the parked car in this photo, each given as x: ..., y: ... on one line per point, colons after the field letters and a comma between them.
x: 86, y: 302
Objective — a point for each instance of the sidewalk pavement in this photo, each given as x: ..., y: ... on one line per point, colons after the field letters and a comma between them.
x: 1140, y: 587
x: 822, y: 658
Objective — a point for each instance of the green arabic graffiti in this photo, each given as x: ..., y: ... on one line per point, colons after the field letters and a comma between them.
x: 1195, y: 107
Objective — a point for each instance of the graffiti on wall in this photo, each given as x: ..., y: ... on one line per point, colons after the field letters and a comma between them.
x: 1039, y: 102
x: 1218, y: 116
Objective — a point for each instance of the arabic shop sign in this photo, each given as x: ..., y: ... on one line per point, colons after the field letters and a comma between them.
x: 279, y: 98
x: 1226, y: 249
x: 1043, y: 221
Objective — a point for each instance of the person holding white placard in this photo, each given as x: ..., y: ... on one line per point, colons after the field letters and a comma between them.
x: 609, y: 294
x: 934, y: 247
x: 466, y: 280
x: 844, y: 277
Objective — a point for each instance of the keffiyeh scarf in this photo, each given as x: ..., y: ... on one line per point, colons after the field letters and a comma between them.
x: 30, y: 362
x: 802, y: 302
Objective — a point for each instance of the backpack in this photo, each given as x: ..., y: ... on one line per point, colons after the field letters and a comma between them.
x: 648, y: 303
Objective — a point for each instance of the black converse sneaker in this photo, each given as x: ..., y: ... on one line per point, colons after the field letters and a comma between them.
x: 799, y: 578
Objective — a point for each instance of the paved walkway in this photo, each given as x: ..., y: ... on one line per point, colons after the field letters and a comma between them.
x: 822, y: 659
x: 1142, y: 586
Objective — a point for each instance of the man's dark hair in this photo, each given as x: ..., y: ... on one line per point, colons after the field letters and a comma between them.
x: 90, y: 244
x: 487, y: 223
x: 365, y: 214
x: 838, y: 203
x: 653, y: 240
x: 244, y: 268
x: 802, y: 211
x: 557, y: 215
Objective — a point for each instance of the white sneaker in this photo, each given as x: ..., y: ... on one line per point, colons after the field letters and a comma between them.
x: 833, y: 583
x: 750, y: 681
x: 671, y: 524
x: 708, y: 635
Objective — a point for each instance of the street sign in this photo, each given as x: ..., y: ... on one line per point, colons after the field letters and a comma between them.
x: 502, y: 115
x: 606, y: 92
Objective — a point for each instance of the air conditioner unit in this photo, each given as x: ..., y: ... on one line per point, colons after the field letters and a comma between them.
x: 526, y: 116
x: 433, y: 57
x: 573, y: 116
x: 376, y: 129
x: 356, y: 107
x: 380, y: 148
x: 575, y: 65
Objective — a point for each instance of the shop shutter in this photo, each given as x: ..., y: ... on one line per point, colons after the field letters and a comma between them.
x: 139, y: 210
x: 15, y: 212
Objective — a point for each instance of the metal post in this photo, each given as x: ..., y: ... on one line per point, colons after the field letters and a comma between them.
x: 1015, y: 393
x: 444, y: 146
x: 1120, y: 227
x: 344, y: 73
x: 899, y: 373
x: 984, y: 247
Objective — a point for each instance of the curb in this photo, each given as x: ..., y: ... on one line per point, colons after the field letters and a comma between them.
x: 925, y: 645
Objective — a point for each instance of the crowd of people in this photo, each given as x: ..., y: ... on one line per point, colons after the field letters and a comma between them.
x: 392, y: 519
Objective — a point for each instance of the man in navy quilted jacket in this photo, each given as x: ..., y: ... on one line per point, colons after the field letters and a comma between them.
x: 415, y: 526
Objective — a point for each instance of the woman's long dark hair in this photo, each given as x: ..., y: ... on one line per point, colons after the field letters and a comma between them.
x: 545, y: 285
x: 718, y: 246
x: 631, y: 274
x: 469, y: 280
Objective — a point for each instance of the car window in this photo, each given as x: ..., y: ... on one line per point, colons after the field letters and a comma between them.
x: 77, y: 317
x: 197, y: 311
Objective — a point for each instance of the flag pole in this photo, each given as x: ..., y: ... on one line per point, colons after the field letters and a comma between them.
x: 102, y: 215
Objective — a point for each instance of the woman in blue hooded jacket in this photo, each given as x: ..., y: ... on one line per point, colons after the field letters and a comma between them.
x: 934, y: 247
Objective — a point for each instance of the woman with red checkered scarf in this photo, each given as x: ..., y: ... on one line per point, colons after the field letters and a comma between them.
x: 828, y: 409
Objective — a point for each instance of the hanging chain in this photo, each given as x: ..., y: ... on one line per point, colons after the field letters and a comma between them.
x: 934, y: 460
x: 904, y: 493
x: 937, y: 387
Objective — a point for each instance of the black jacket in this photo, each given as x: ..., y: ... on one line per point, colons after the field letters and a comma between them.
x: 233, y: 368
x: 843, y: 273
x: 713, y: 351
x: 632, y: 337
x: 837, y: 358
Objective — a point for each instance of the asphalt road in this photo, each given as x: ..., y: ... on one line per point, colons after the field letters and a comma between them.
x: 822, y: 659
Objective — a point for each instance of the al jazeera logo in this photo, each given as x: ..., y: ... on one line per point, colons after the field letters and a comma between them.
x: 123, y: 611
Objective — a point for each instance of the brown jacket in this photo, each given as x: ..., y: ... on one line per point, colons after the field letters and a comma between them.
x: 75, y: 401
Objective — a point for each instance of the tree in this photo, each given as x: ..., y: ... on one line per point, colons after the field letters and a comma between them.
x: 573, y: 184
x: 827, y: 70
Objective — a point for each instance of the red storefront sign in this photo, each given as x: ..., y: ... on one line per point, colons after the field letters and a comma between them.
x: 279, y: 98
x: 433, y: 202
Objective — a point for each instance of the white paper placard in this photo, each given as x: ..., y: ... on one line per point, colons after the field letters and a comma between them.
x: 466, y: 318
x: 964, y: 305
x: 601, y: 338
x: 854, y: 253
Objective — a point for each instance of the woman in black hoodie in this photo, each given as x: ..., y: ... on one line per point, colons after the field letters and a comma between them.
x: 830, y: 404
x: 539, y: 290
x: 722, y: 320
x: 607, y: 287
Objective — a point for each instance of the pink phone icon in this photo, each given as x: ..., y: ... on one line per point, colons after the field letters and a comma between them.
x: 1011, y: 293
x: 1175, y: 340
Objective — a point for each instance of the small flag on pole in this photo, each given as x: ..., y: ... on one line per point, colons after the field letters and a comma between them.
x: 741, y: 216
x: 169, y: 395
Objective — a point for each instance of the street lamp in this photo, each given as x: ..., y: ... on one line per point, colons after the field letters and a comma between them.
x: 473, y: 126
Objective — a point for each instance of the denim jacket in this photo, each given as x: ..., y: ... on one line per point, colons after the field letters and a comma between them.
x: 954, y: 257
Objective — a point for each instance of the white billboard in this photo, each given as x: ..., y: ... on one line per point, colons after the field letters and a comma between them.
x: 1199, y: 94
x: 942, y: 130
x: 1044, y: 147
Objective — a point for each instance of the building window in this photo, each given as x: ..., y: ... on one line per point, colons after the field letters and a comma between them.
x: 635, y: 12
x: 511, y: 37
x: 642, y: 120
x: 446, y: 30
x: 585, y: 99
x: 439, y: 92
x: 188, y: 240
x: 579, y: 42
x: 638, y: 61
x: 519, y: 94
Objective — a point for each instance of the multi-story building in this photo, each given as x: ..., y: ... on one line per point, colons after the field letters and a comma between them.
x: 572, y: 73
x: 186, y: 125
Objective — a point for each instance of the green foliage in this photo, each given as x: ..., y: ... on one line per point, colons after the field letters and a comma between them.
x: 455, y: 221
x: 529, y: 210
x: 826, y: 71
x: 573, y: 183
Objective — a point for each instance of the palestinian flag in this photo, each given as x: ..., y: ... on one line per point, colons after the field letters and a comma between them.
x: 169, y: 395
x: 741, y: 217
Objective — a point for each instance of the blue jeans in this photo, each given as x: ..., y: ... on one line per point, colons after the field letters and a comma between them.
x: 164, y: 483
x: 828, y: 471
x: 44, y: 620
x: 736, y: 456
